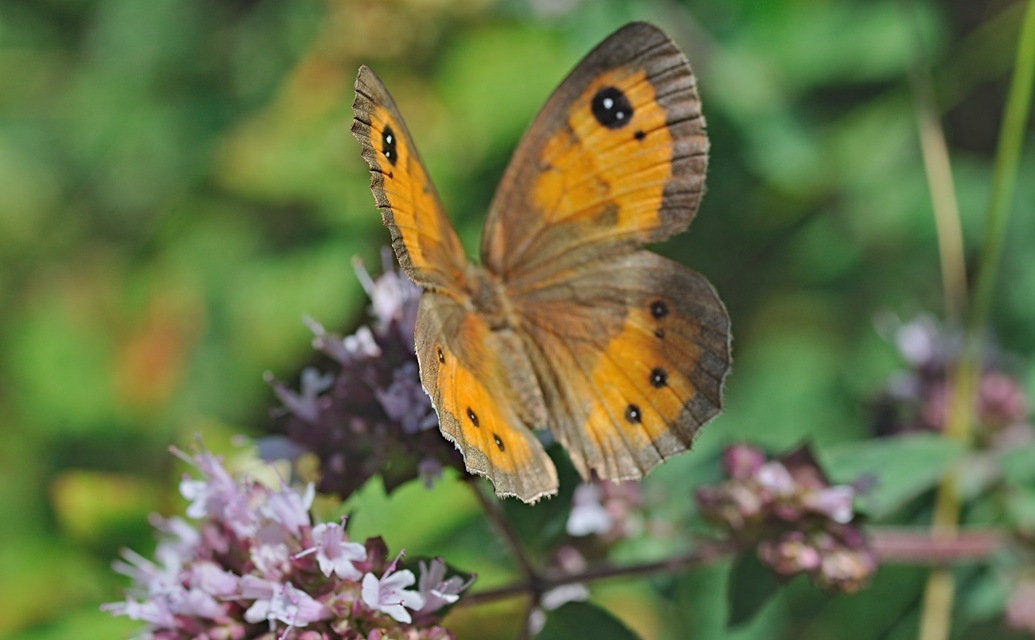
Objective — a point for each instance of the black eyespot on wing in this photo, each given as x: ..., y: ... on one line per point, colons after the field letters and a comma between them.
x: 633, y: 415
x: 639, y: 135
x: 499, y: 443
x: 388, y: 144
x: 658, y: 309
x: 441, y: 356
x: 658, y: 377
x: 612, y: 108
x: 473, y: 417
x: 659, y: 333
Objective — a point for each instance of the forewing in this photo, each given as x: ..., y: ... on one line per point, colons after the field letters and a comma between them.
x: 426, y: 245
x: 632, y: 354
x: 481, y: 384
x: 615, y: 159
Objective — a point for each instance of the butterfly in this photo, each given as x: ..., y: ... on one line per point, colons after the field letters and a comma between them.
x: 567, y: 323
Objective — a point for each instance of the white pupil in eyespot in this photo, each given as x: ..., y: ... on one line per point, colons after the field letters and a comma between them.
x: 608, y: 103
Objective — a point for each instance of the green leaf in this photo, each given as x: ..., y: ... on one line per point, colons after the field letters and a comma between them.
x: 542, y: 525
x: 751, y: 586
x: 583, y: 620
x: 984, y: 596
x: 1020, y: 507
x: 1017, y: 466
x: 895, y: 470
x: 701, y: 600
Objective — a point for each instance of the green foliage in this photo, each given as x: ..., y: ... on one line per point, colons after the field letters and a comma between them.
x: 750, y: 586
x: 178, y: 187
x: 579, y: 620
x: 891, y: 471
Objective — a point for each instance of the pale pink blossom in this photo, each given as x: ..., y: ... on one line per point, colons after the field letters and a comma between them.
x: 153, y: 612
x: 282, y: 603
x: 334, y: 553
x: 834, y: 502
x: 209, y: 577
x: 289, y: 508
x: 217, y: 495
x: 389, y: 595
x: 588, y: 514
x: 435, y: 589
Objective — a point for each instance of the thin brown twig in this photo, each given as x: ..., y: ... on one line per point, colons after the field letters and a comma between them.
x: 892, y: 546
x: 703, y: 554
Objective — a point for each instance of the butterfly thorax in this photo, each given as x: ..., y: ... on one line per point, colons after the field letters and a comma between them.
x: 488, y: 298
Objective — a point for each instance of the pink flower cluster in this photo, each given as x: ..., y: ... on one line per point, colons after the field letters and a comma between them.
x: 256, y: 567
x: 917, y: 398
x: 796, y: 520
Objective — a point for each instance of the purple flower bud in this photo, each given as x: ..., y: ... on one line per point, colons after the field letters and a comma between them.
x: 774, y: 478
x: 374, y: 418
x: 832, y: 502
x: 1020, y: 607
x: 405, y: 402
x: 588, y: 515
x: 919, y: 341
x: 429, y: 470
x: 1001, y: 401
x: 305, y: 405
x: 789, y: 555
x: 742, y: 461
x: 437, y: 590
x: 846, y: 570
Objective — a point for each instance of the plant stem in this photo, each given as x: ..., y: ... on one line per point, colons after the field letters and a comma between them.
x: 935, y: 154
x: 703, y: 554
x: 938, y: 169
x: 1008, y: 152
x: 936, y: 615
x: 892, y: 546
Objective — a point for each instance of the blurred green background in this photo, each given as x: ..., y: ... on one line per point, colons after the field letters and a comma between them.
x: 178, y: 186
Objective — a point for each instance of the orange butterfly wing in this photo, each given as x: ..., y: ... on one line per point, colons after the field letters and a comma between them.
x: 479, y: 379
x: 631, y: 349
x: 615, y: 159
x: 634, y: 352
x: 484, y: 390
x: 424, y: 241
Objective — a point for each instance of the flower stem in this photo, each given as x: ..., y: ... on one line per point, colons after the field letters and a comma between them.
x: 936, y: 615
x: 703, y: 554
x: 892, y: 546
x: 935, y: 153
x: 1008, y: 152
